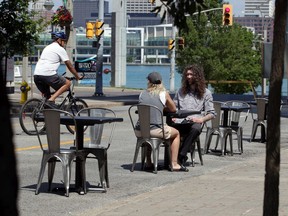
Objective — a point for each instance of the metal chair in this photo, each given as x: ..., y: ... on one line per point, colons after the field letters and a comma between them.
x: 192, y: 151
x: 237, y: 118
x: 260, y: 118
x: 217, y: 129
x: 100, y: 140
x: 54, y: 151
x: 141, y: 113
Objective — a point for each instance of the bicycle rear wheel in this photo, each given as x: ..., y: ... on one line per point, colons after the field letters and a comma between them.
x: 74, y: 107
x: 27, y: 113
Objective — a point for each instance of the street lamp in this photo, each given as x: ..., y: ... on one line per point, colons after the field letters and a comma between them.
x: 48, y: 5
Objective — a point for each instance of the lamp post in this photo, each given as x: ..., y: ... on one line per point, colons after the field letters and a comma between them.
x: 48, y: 5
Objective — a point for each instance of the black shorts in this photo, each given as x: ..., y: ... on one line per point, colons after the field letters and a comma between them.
x: 44, y: 83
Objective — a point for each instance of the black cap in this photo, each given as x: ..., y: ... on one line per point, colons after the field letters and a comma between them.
x: 155, y: 78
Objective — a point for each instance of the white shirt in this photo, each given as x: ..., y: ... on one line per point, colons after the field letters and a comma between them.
x: 50, y: 60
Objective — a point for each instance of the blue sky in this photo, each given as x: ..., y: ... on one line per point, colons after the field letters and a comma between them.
x: 238, y: 6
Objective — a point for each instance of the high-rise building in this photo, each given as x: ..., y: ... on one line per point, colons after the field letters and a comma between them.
x: 86, y: 10
x: 139, y: 6
x: 38, y: 6
x: 261, y: 8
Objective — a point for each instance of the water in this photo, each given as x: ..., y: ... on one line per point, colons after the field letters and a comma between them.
x: 136, y: 77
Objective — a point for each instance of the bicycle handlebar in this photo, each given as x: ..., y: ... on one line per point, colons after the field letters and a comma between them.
x: 73, y: 78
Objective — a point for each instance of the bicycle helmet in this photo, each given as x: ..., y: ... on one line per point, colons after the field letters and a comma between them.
x: 56, y: 35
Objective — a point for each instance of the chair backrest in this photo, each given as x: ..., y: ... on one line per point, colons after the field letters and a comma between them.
x: 144, y: 118
x: 100, y: 134
x: 216, y: 122
x: 53, y: 129
x: 261, y: 108
x: 237, y: 118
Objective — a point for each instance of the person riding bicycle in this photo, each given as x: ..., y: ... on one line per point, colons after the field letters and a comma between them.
x: 45, y: 74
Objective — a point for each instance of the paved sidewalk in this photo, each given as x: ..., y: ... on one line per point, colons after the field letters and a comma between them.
x: 230, y: 185
x: 237, y: 190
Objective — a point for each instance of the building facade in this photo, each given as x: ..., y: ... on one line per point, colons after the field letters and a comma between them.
x: 262, y: 26
x: 262, y: 8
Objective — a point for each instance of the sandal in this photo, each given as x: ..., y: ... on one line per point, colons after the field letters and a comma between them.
x: 181, y: 169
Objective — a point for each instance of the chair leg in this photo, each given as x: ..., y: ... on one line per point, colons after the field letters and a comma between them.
x: 199, y: 151
x: 208, y: 138
x: 240, y: 139
x: 143, y: 155
x: 101, y: 165
x: 51, y: 169
x: 66, y: 174
x: 192, y: 153
x: 41, y: 173
x: 155, y: 152
x: 223, y: 144
x: 254, y: 130
x: 135, y: 156
x: 231, y: 143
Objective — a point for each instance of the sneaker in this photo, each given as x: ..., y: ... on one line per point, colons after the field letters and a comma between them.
x: 51, y: 105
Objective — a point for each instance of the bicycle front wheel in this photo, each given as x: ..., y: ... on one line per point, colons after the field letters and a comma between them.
x: 27, y: 112
x: 74, y: 107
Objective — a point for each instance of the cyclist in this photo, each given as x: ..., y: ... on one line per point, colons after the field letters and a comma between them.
x: 45, y: 74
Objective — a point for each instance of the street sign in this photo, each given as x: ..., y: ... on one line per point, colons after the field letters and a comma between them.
x: 86, y: 65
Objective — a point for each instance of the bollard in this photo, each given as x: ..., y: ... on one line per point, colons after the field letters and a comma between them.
x: 24, y: 88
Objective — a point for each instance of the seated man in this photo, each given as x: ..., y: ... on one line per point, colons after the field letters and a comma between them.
x: 193, y: 95
x: 45, y: 74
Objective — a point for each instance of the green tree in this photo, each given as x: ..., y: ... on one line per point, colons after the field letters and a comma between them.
x: 225, y: 52
x: 18, y: 31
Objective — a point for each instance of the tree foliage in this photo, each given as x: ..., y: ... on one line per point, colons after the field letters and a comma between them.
x: 18, y: 30
x: 225, y: 52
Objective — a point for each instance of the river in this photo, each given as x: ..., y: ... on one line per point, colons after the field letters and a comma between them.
x: 136, y: 77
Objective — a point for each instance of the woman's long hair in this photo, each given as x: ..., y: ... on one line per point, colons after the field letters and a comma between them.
x: 155, y: 89
x: 200, y: 84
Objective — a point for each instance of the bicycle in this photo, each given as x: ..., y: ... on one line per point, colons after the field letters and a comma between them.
x: 32, y: 106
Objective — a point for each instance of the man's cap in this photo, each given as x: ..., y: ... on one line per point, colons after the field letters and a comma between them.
x: 155, y: 78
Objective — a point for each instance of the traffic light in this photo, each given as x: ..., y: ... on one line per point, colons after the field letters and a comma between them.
x: 181, y: 43
x: 89, y: 30
x: 171, y: 44
x: 98, y: 26
x: 227, y: 14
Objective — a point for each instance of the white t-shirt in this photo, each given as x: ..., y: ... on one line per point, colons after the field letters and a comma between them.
x: 50, y: 59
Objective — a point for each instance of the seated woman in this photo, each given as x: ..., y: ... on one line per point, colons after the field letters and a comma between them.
x: 193, y: 95
x: 156, y: 95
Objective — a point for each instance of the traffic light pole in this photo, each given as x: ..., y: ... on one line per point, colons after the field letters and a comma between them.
x: 99, y: 77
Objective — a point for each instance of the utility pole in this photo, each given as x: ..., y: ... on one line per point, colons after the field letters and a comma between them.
x: 119, y: 44
x: 172, y: 62
x: 99, y: 77
x: 70, y: 31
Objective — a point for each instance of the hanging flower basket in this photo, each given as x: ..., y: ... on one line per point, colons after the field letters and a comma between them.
x: 62, y: 17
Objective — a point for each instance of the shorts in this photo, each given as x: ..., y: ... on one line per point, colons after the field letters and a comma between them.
x: 157, y: 133
x: 44, y: 83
